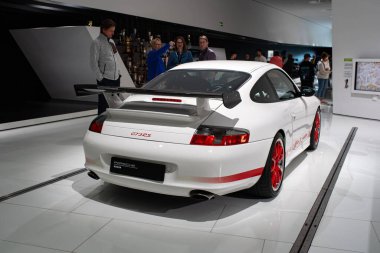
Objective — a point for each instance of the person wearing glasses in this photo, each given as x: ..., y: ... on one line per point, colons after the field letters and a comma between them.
x: 154, y: 61
x: 103, y: 61
x: 180, y: 54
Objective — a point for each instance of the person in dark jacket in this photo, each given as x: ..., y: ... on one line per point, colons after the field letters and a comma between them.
x: 180, y: 54
x: 307, y: 72
x: 103, y: 60
x: 289, y: 66
x: 154, y: 61
x: 206, y: 53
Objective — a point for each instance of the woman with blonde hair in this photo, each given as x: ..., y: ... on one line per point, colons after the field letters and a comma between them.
x: 323, y: 75
x: 154, y: 61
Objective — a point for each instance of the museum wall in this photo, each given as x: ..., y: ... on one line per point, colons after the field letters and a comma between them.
x: 53, y: 15
x: 242, y: 17
x: 355, y: 35
x: 24, y: 80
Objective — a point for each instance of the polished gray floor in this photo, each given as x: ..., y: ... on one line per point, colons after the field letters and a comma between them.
x: 82, y: 215
x: 38, y: 153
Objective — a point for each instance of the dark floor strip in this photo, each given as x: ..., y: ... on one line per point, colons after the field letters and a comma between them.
x: 47, y: 122
x: 307, y: 233
x: 34, y: 187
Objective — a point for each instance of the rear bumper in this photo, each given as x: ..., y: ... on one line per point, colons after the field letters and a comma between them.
x: 219, y: 170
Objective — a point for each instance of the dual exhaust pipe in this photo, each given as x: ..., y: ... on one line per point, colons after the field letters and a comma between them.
x: 93, y: 175
x: 195, y: 194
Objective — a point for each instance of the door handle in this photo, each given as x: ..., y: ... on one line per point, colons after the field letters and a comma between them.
x: 293, y: 115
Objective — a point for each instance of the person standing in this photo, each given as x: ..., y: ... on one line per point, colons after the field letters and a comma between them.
x: 276, y: 59
x: 154, y: 61
x: 289, y: 66
x: 306, y: 72
x: 323, y: 75
x: 206, y: 53
x: 313, y: 60
x: 233, y: 56
x: 103, y: 55
x: 259, y: 56
x: 180, y: 54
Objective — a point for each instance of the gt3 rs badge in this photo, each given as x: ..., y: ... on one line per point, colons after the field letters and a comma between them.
x: 146, y: 135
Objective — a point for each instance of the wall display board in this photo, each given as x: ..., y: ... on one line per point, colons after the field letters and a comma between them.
x: 366, y: 76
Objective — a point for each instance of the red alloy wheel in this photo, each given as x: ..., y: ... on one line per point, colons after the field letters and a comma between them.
x: 317, y: 127
x: 277, y: 168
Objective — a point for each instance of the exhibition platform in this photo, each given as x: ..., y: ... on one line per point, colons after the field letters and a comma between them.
x: 80, y: 214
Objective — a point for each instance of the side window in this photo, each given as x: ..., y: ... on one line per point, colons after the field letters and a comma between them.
x: 263, y: 92
x: 283, y: 86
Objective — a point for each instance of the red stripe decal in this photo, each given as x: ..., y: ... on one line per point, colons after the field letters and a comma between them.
x: 232, y: 178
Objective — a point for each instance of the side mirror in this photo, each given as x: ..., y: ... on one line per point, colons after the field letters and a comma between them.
x: 231, y: 99
x: 307, y: 92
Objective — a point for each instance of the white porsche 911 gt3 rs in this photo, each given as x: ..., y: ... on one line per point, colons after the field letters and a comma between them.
x: 204, y: 128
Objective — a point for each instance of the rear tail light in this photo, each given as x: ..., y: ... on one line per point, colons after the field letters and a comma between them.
x: 212, y: 136
x: 97, y: 124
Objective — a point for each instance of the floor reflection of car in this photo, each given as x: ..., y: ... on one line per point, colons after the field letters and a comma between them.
x: 205, y: 128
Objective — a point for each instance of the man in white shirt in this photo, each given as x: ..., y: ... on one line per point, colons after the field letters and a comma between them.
x: 259, y: 56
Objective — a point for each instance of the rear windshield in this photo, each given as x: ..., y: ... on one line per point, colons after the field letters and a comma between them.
x: 194, y: 80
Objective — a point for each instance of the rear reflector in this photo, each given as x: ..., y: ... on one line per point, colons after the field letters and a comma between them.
x: 174, y: 100
x: 211, y: 136
x: 97, y: 124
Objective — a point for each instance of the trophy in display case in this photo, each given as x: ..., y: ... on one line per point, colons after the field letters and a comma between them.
x: 188, y: 41
x: 135, y: 56
x: 128, y: 44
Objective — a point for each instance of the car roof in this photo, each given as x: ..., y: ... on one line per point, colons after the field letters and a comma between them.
x: 244, y: 66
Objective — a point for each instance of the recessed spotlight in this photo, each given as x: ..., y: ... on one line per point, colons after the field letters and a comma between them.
x: 315, y: 2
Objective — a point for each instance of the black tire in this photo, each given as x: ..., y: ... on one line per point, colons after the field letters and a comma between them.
x: 265, y: 187
x: 315, y: 131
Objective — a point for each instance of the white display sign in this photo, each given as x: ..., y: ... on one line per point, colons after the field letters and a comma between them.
x: 347, y: 72
x: 366, y: 76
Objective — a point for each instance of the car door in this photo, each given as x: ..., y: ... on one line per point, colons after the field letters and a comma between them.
x: 292, y: 107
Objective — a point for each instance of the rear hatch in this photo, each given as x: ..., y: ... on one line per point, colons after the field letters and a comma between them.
x: 159, y: 118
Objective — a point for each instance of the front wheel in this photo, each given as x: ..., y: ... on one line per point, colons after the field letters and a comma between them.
x: 315, y: 131
x: 270, y: 182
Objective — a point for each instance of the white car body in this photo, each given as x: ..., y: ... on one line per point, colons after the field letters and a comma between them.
x: 164, y: 138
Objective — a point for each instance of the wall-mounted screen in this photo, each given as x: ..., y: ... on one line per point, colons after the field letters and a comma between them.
x: 366, y: 76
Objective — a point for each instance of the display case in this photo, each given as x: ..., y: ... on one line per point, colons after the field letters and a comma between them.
x: 133, y: 51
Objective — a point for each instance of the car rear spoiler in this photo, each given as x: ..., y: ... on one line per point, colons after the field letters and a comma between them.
x: 230, y: 99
